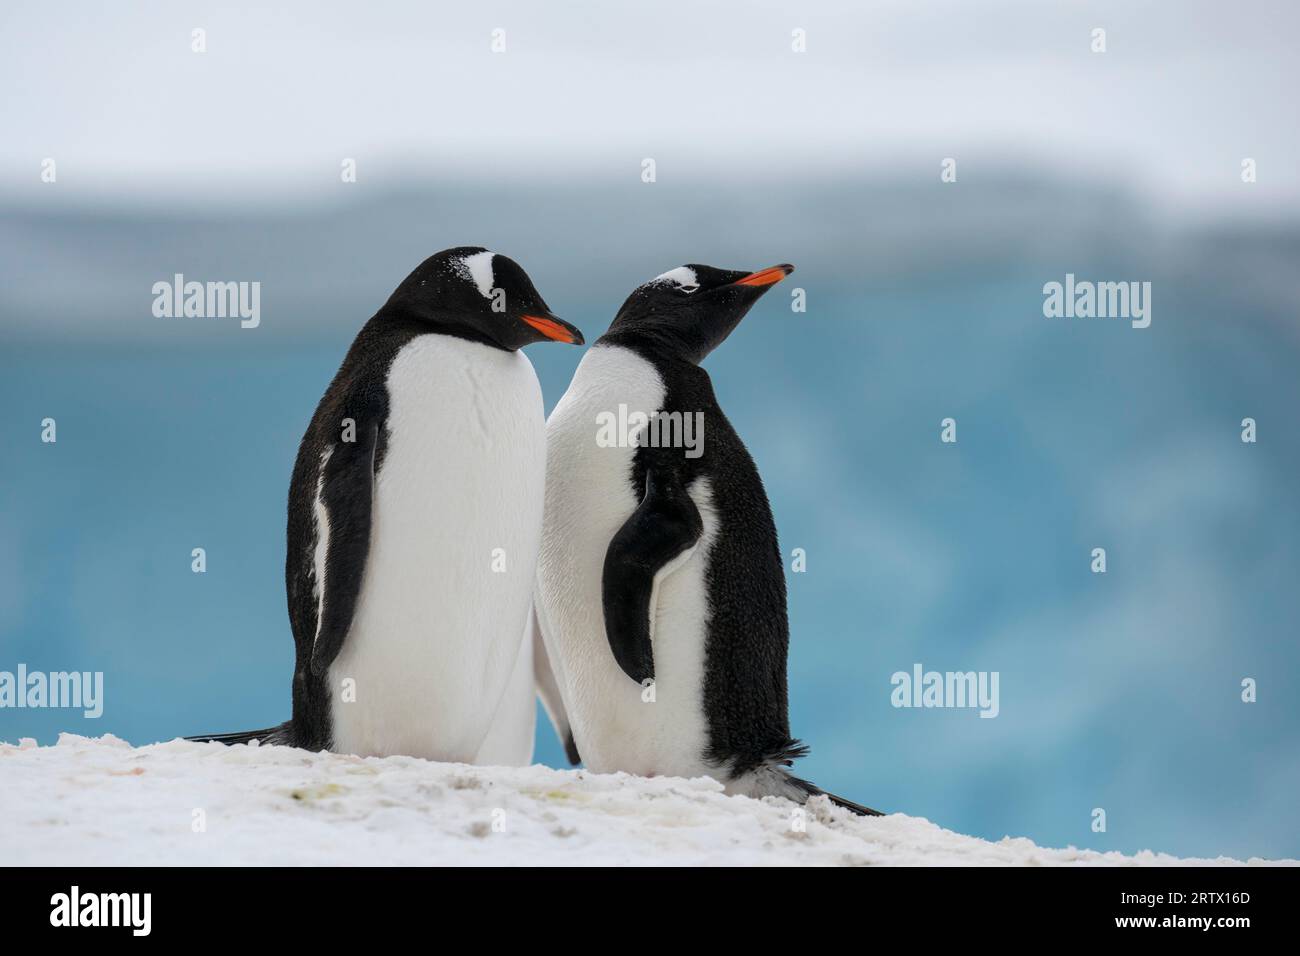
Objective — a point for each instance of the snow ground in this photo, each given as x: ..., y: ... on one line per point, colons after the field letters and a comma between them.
x: 100, y: 801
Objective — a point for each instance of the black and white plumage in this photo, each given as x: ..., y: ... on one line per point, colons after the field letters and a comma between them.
x: 414, y: 517
x: 659, y: 566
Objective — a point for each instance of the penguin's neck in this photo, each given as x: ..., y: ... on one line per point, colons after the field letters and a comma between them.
x: 661, y: 350
x: 439, y: 324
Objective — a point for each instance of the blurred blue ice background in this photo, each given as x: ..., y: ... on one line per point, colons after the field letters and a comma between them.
x: 1119, y: 691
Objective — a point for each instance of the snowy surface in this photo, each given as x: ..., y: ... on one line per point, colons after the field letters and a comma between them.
x: 101, y: 802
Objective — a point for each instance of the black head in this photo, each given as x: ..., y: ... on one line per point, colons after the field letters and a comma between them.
x: 477, y: 294
x: 691, y: 309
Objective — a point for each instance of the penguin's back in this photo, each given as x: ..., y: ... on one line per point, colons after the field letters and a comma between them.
x: 741, y: 600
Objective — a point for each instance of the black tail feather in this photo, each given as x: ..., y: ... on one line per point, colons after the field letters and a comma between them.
x: 791, y: 751
x: 812, y: 790
x: 857, y: 808
x: 780, y: 758
x: 269, y: 735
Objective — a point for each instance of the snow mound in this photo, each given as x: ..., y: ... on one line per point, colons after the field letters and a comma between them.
x: 101, y: 801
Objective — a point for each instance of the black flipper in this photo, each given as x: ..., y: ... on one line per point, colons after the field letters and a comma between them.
x: 664, y: 526
x: 347, y: 493
x: 271, y: 735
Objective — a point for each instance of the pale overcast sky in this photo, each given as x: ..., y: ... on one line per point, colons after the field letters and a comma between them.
x: 114, y: 93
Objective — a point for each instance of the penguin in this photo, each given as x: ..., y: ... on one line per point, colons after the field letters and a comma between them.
x: 661, y: 592
x: 414, y: 519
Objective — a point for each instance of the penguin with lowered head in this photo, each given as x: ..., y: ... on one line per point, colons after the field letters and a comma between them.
x: 415, y: 512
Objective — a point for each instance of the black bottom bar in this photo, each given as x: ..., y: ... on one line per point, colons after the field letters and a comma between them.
x: 303, y: 905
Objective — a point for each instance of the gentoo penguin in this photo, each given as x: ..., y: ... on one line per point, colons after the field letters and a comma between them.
x: 660, y: 590
x: 415, y: 513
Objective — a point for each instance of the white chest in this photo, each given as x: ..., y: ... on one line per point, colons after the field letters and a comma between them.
x: 455, y: 529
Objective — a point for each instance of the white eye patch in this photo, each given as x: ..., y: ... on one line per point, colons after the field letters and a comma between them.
x: 683, y: 277
x: 478, y: 269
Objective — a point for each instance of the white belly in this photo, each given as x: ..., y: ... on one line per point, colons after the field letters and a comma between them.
x: 459, y: 495
x: 589, y: 496
x: 510, y: 738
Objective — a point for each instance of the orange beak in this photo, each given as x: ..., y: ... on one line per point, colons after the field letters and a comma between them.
x: 769, y: 276
x: 554, y: 330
